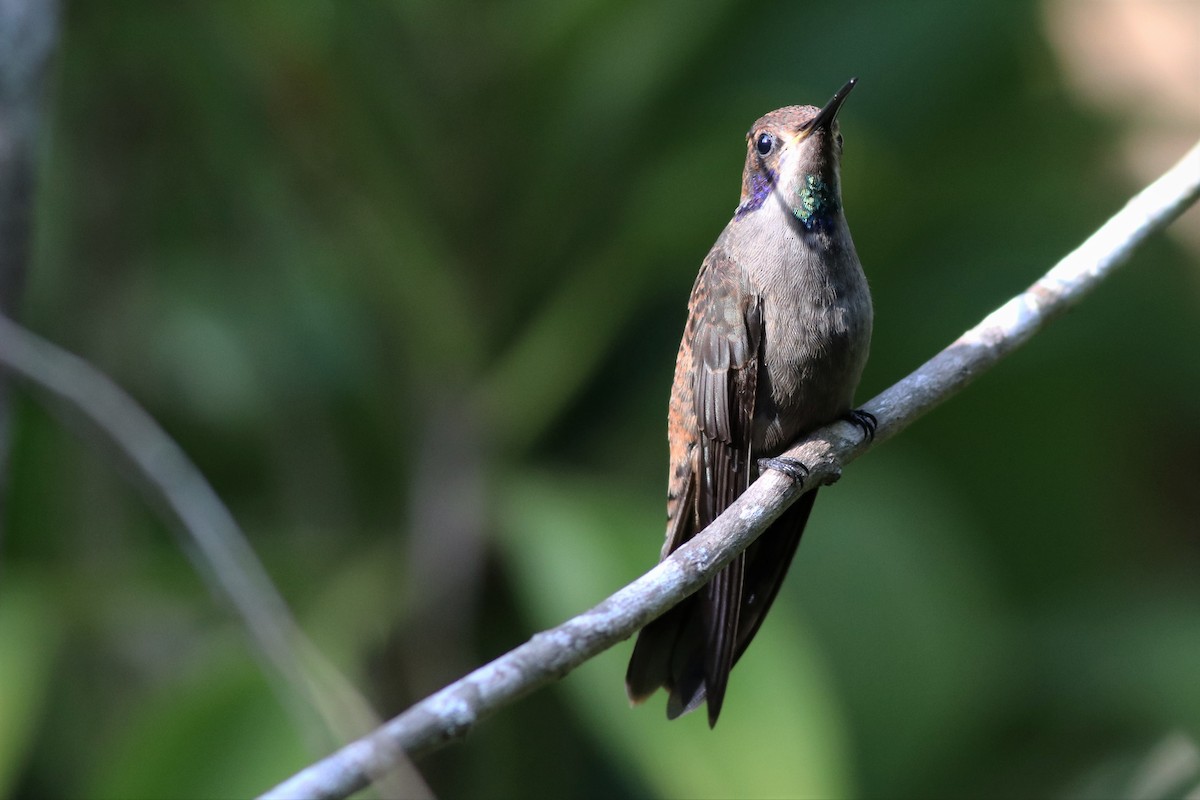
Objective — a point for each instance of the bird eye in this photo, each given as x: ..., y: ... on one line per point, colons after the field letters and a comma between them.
x: 765, y: 144
x: 839, y: 141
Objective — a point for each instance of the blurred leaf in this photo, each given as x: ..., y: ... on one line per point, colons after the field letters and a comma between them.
x: 1130, y: 658
x: 216, y: 731
x: 30, y: 632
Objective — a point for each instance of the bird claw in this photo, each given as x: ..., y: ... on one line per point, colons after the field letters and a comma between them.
x: 788, y: 466
x: 864, y: 420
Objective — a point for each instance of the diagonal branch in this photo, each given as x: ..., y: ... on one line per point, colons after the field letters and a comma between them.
x: 451, y: 712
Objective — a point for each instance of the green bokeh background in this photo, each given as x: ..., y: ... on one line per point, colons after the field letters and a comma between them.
x: 406, y: 280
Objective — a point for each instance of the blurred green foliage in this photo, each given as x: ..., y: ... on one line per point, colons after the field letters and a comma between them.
x: 406, y: 280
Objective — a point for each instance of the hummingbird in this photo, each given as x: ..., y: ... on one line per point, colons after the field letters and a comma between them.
x: 778, y: 329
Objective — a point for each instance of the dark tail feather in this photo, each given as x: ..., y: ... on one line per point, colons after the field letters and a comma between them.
x: 650, y: 665
x: 720, y: 607
x: 685, y: 650
x: 767, y: 562
x: 669, y: 653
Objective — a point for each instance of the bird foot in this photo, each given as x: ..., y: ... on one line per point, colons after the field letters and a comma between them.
x: 788, y: 466
x: 864, y: 420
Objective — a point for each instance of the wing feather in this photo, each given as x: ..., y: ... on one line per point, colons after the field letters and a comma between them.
x: 692, y: 648
x: 727, y: 348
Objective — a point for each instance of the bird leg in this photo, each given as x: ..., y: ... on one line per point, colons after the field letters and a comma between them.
x: 864, y: 420
x: 788, y: 466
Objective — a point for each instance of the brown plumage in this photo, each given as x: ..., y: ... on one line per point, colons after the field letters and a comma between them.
x: 779, y: 323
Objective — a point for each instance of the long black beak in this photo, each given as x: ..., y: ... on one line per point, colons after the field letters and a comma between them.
x: 826, y: 115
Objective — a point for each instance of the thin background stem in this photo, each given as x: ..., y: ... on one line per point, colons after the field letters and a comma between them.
x: 28, y: 37
x: 321, y: 698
